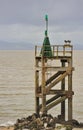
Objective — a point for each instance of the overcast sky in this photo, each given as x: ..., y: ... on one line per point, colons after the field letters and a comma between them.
x: 23, y: 21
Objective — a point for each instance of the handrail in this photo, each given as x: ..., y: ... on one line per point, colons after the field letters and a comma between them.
x: 57, y: 50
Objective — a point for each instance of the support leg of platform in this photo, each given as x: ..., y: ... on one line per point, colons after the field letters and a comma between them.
x: 43, y: 87
x: 70, y: 98
x: 70, y: 90
x: 63, y: 103
x: 36, y: 88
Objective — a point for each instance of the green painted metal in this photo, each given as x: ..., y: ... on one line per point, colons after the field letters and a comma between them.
x: 46, y: 17
x: 46, y: 50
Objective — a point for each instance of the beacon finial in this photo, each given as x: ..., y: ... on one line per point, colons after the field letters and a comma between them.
x: 46, y: 19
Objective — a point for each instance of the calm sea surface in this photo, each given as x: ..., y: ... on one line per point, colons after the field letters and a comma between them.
x: 17, y: 97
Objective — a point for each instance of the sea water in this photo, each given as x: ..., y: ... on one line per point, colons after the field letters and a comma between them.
x: 17, y: 85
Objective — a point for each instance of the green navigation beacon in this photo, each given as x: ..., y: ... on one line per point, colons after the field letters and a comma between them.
x: 46, y: 50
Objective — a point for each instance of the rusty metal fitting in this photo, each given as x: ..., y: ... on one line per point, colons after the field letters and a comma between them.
x: 69, y: 94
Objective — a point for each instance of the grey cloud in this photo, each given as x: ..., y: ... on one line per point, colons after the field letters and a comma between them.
x: 65, y: 19
x: 33, y: 11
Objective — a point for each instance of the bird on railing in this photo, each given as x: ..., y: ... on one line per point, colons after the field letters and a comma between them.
x: 67, y: 42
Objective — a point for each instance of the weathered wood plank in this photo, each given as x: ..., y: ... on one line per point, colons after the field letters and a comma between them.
x: 56, y: 81
x: 51, y: 105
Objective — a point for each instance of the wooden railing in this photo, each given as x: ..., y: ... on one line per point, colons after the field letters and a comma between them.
x: 57, y: 50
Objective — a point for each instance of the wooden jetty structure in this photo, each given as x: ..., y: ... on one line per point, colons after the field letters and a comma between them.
x: 53, y: 77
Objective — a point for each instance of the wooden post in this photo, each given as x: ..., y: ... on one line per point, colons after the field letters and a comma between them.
x: 43, y: 86
x: 63, y: 88
x: 36, y: 88
x: 70, y: 90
